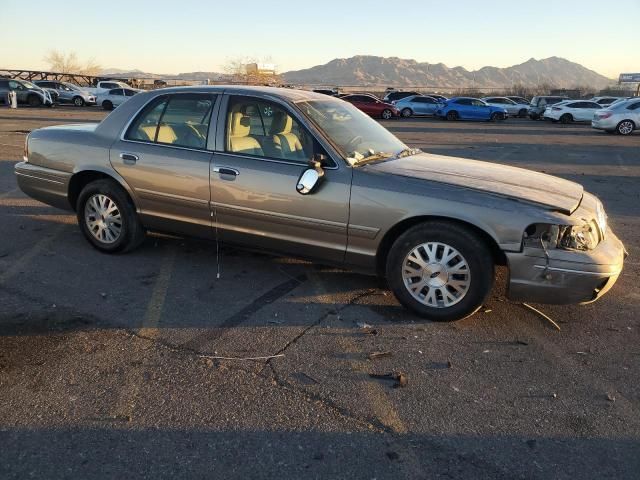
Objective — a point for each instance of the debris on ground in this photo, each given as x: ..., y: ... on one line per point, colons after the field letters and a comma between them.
x: 267, y: 357
x: 522, y: 342
x: 611, y: 398
x: 374, y: 355
x: 543, y: 315
x: 400, y: 378
x: 103, y: 295
x: 487, y: 310
x: 306, y: 378
x: 364, y: 325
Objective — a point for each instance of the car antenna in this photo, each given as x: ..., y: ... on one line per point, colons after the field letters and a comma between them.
x: 214, y: 214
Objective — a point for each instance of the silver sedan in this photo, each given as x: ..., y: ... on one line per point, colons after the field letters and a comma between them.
x: 622, y: 117
x: 308, y: 175
x: 417, y: 105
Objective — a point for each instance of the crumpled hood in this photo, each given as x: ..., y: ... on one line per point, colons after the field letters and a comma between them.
x: 517, y: 183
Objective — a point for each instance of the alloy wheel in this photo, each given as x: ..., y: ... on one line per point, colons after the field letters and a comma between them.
x: 625, y: 127
x: 436, y: 274
x: 103, y: 219
x: 386, y: 114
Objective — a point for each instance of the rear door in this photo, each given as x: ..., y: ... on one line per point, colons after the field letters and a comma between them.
x: 165, y: 155
x: 262, y: 147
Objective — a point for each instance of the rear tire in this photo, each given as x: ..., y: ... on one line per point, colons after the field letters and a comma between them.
x: 78, y: 101
x: 108, y: 218
x: 566, y: 118
x: 495, y: 116
x: 406, y: 112
x: 522, y: 113
x: 626, y: 127
x: 452, y: 115
x: 34, y: 101
x: 431, y: 286
x: 107, y: 105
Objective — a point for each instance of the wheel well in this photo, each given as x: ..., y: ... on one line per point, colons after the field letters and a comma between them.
x: 82, y: 179
x: 398, y: 229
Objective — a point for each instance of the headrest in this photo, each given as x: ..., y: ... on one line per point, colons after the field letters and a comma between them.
x: 281, y: 123
x: 240, y: 124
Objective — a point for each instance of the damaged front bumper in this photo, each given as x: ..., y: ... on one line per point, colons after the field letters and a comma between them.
x: 566, y: 277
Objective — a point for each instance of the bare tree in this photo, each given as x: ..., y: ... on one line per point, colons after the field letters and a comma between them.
x: 69, y: 63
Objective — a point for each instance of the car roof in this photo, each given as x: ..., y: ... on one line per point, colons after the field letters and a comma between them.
x: 291, y: 94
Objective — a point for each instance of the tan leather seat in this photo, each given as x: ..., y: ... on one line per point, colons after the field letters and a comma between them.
x: 165, y: 133
x: 287, y: 144
x: 239, y: 139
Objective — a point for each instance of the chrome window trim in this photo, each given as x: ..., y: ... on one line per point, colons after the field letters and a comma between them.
x: 269, y: 159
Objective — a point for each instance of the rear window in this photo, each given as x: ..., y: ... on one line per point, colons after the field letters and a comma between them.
x: 179, y: 120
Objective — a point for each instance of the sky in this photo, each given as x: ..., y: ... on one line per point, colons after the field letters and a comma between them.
x: 187, y: 35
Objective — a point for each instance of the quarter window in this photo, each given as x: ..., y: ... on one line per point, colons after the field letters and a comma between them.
x: 266, y: 129
x: 180, y: 120
x: 634, y: 106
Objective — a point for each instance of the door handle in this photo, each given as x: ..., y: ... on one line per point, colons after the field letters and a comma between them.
x: 226, y: 171
x: 129, y: 158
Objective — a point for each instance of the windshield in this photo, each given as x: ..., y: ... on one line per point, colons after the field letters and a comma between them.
x: 70, y: 86
x: 357, y: 136
x: 29, y: 85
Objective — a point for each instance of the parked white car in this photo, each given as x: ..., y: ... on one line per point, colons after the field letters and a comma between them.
x: 572, y: 111
x: 623, y: 117
x: 605, y: 101
x: 105, y: 85
x: 110, y: 99
x: 513, y: 109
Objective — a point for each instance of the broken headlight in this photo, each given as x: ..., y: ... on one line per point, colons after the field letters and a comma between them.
x: 585, y: 236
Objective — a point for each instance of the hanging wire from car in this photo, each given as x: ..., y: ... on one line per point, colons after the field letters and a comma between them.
x: 214, y: 214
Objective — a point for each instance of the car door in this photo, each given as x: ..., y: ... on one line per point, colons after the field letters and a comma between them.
x: 480, y: 110
x: 164, y: 155
x: 367, y: 105
x: 429, y: 106
x: 254, y: 176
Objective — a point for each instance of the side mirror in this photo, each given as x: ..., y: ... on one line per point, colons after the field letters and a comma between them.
x: 312, y: 177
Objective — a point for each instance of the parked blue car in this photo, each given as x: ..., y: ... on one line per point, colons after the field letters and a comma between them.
x: 417, y: 105
x: 466, y: 108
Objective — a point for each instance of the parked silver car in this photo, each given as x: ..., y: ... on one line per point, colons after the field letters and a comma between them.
x: 621, y: 117
x: 68, y: 92
x: 513, y: 109
x: 26, y: 92
x: 308, y: 175
x: 417, y: 105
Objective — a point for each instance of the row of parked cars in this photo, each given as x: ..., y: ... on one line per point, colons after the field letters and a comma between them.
x: 107, y: 94
x: 613, y: 114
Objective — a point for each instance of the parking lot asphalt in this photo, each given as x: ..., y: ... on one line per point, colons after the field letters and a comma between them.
x: 106, y: 367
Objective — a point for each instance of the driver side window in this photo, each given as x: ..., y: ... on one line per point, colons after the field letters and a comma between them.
x: 266, y: 129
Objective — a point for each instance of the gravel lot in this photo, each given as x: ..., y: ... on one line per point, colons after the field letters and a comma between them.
x: 104, y: 370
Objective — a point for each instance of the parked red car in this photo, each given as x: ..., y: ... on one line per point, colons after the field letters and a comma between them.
x: 372, y: 105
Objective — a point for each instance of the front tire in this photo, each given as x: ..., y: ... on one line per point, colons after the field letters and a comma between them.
x: 566, y: 118
x: 496, y: 116
x: 452, y: 115
x: 625, y: 127
x: 440, y: 270
x: 78, y: 101
x: 107, y: 217
x: 406, y: 112
x: 522, y: 113
x: 386, y: 114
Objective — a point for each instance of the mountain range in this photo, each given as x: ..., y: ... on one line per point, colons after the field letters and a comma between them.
x: 393, y: 71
